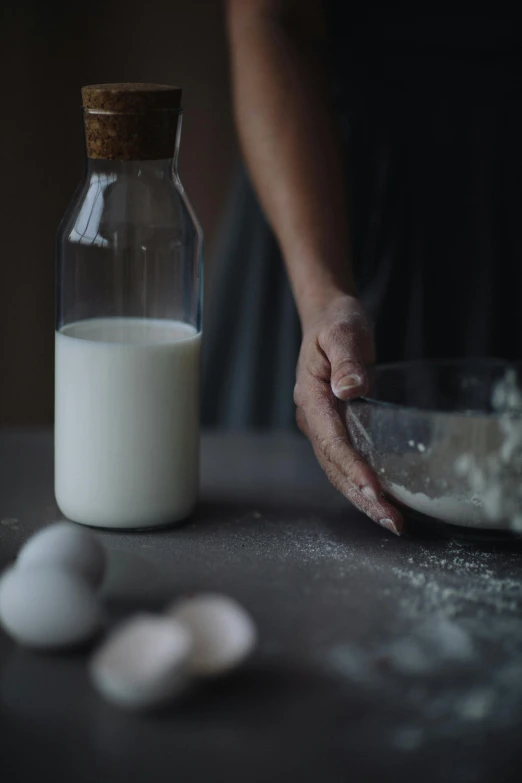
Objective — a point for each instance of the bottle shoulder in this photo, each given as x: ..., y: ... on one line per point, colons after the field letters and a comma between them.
x: 108, y: 206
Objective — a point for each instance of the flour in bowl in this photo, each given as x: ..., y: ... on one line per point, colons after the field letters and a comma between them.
x: 470, y: 475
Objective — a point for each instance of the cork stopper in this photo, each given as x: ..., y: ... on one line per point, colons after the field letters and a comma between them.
x: 131, y: 121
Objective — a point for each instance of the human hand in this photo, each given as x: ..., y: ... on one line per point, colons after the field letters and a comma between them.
x: 337, y: 346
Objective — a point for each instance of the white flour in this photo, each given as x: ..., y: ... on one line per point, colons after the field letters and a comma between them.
x: 466, y: 512
x: 454, y: 615
x: 471, y: 473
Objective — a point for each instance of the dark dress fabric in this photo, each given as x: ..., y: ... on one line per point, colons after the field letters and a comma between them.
x: 431, y: 113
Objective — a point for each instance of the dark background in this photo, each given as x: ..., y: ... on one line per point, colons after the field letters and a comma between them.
x: 48, y: 50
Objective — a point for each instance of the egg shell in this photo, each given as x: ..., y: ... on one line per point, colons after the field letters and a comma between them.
x: 223, y: 633
x: 66, y: 545
x: 143, y: 663
x: 48, y: 607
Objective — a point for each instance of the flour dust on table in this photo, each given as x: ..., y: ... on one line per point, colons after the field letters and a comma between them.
x: 452, y: 611
x: 127, y: 421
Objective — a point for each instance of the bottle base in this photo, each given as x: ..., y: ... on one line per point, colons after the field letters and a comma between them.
x: 124, y: 526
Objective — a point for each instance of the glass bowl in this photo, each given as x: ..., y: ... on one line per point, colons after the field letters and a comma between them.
x: 445, y: 439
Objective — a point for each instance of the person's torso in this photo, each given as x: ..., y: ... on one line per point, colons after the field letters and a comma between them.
x: 431, y: 110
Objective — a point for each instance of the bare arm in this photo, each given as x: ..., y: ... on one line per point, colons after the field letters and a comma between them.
x: 291, y: 143
x: 292, y: 148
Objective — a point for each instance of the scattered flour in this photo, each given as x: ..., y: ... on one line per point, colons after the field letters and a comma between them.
x: 453, y: 654
x: 408, y: 738
x: 477, y: 704
x: 461, y: 580
x: 10, y: 522
x: 437, y: 642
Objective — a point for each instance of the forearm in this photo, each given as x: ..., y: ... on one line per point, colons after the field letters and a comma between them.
x: 292, y: 149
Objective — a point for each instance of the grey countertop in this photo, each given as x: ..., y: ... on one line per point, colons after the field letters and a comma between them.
x: 380, y: 659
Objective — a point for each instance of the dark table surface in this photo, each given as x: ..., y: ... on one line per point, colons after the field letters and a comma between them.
x: 379, y: 659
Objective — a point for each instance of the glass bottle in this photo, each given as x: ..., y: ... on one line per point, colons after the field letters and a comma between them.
x: 129, y: 292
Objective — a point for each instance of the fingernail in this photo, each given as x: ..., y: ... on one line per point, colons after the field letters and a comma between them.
x: 347, y: 383
x: 390, y: 525
x: 370, y: 493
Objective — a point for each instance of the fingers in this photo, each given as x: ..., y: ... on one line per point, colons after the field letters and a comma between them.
x: 365, y: 499
x: 346, y: 348
x: 332, y: 367
x: 319, y: 419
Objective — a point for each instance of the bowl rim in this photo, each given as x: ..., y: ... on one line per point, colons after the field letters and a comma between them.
x: 462, y: 362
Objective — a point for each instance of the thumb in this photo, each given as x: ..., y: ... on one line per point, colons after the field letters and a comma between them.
x: 349, y: 377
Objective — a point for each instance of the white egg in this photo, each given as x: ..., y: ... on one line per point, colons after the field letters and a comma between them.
x: 66, y: 545
x: 48, y: 607
x: 143, y: 663
x: 223, y: 633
